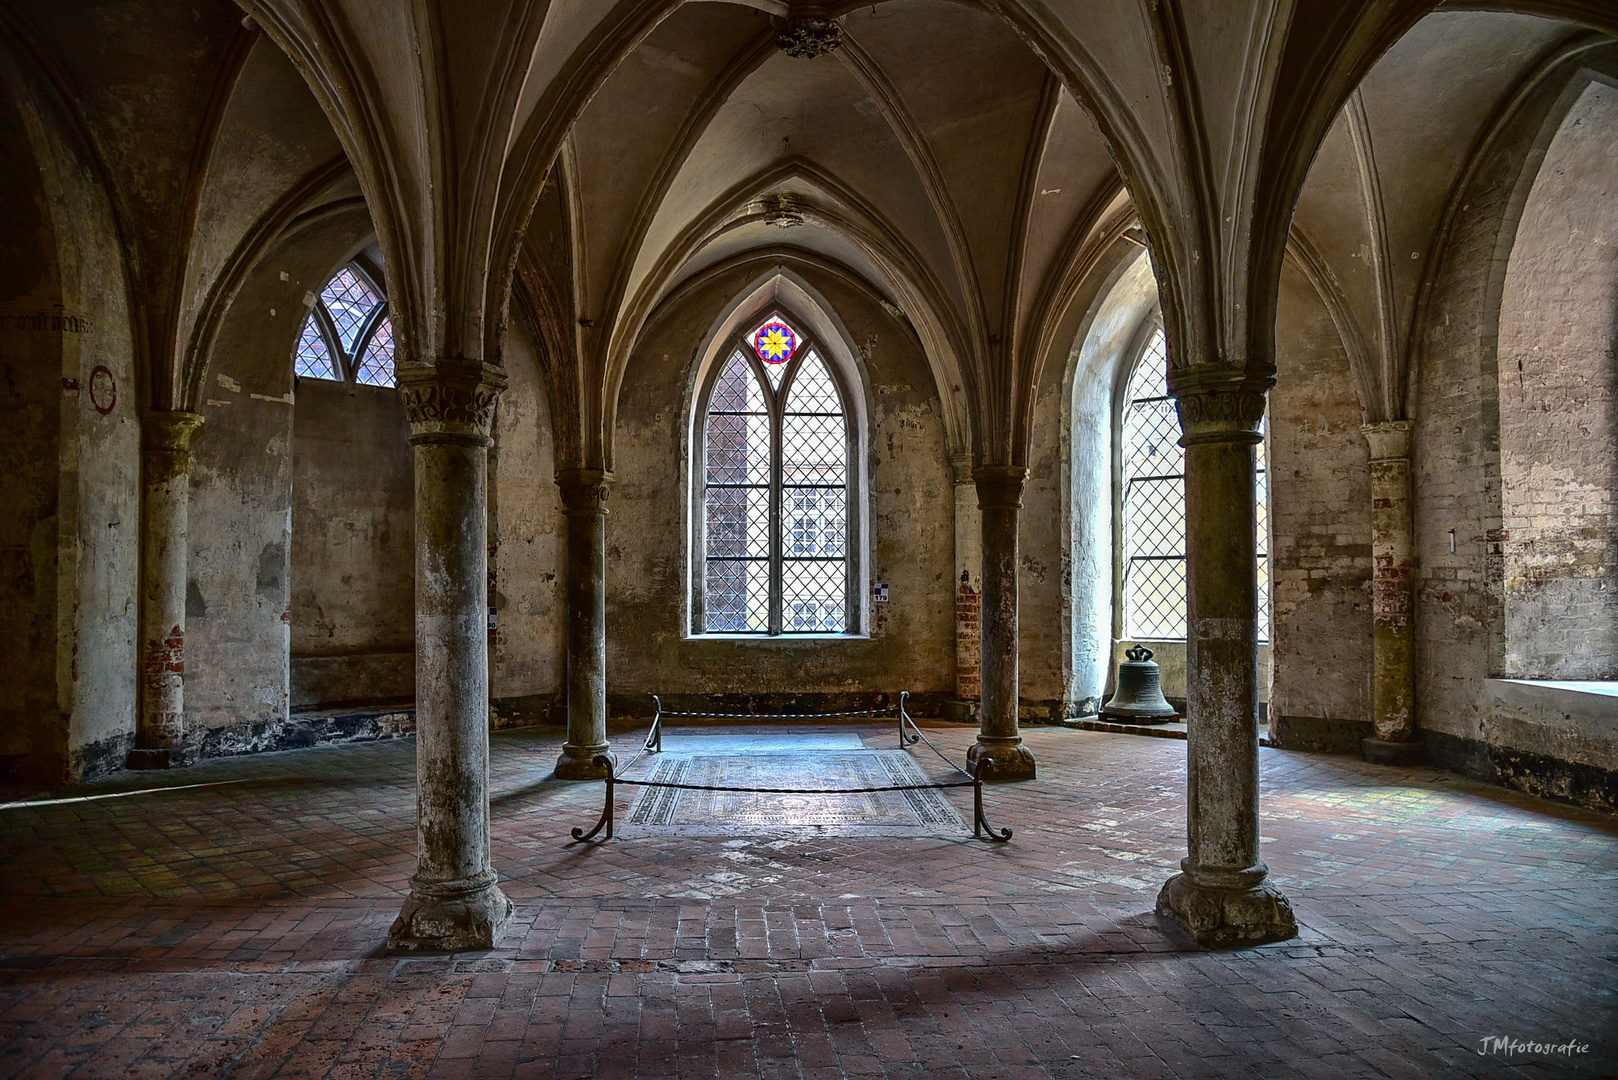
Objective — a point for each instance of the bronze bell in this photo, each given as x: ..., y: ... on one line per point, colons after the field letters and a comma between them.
x: 1140, y: 691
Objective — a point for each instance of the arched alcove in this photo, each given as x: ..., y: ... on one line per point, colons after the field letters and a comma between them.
x: 1558, y: 331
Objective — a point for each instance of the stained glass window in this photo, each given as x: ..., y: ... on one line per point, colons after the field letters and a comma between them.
x: 1154, y: 507
x: 775, y: 491
x: 347, y: 336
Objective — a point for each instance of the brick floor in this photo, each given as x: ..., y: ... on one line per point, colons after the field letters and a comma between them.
x: 238, y: 929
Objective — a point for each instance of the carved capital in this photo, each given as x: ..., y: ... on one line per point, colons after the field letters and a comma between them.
x: 166, y: 442
x: 1390, y: 440
x: 584, y: 491
x: 1000, y: 486
x: 1219, y: 404
x: 809, y: 32
x: 452, y: 399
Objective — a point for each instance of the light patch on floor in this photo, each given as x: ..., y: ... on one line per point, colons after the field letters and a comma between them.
x: 677, y: 812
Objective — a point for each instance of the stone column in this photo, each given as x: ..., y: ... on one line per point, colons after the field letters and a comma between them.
x: 1393, y: 686
x: 164, y: 546
x: 455, y: 900
x: 968, y: 593
x: 1222, y: 896
x: 999, y: 500
x: 584, y: 500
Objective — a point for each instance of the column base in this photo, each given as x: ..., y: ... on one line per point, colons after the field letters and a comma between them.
x: 147, y: 759
x: 1221, y: 918
x: 1012, y: 761
x: 578, y: 762
x: 961, y: 712
x: 451, y: 916
x: 1386, y: 752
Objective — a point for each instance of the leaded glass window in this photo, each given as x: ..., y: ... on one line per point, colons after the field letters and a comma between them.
x: 1154, y: 507
x: 775, y: 491
x: 347, y: 336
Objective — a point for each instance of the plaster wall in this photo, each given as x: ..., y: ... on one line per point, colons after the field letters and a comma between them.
x: 353, y: 546
x: 1320, y: 519
x: 527, y: 549
x: 238, y: 607
x: 69, y: 463
x: 911, y: 644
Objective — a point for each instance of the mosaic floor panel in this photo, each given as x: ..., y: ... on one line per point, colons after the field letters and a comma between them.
x: 677, y: 812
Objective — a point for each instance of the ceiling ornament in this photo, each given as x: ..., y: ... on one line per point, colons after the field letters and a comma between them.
x: 809, y: 32
x: 782, y: 210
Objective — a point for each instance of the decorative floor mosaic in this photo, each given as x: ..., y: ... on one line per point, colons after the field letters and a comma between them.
x: 677, y: 812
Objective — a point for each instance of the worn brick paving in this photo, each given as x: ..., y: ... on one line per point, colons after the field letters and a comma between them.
x: 238, y: 930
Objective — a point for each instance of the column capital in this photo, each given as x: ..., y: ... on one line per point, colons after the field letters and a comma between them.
x: 999, y: 486
x: 960, y: 467
x: 1389, y: 439
x: 450, y: 400
x: 166, y: 444
x: 584, y: 491
x: 1217, y: 403
x: 170, y: 431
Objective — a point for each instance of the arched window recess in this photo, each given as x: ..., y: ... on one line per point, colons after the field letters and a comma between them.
x: 774, y: 487
x: 348, y: 336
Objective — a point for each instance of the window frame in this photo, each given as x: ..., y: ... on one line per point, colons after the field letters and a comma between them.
x: 1134, y: 356
x: 347, y: 365
x: 776, y: 403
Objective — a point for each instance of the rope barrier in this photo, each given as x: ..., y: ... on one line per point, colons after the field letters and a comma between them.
x: 909, y: 735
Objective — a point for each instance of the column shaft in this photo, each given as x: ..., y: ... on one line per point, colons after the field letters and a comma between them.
x: 455, y: 900
x: 968, y: 592
x: 1393, y: 689
x: 999, y: 502
x: 1222, y: 896
x: 584, y: 499
x: 165, y: 546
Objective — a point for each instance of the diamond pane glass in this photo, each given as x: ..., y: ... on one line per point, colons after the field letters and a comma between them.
x: 813, y: 596
x: 738, y: 435
x: 1154, y: 513
x: 816, y: 522
x: 312, y: 360
x: 376, y: 366
x: 1154, y: 605
x: 738, y: 522
x: 349, y: 301
x: 813, y: 392
x: 1261, y: 500
x: 737, y: 596
x: 1154, y: 502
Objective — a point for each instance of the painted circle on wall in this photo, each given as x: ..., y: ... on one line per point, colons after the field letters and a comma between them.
x: 775, y: 342
x: 103, y: 389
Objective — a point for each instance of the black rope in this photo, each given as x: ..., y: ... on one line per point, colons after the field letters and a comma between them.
x: 781, y: 716
x: 789, y: 791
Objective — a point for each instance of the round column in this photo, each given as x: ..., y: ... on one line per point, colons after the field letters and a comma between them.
x: 1222, y: 896
x: 455, y: 900
x: 584, y: 500
x: 1393, y: 679
x: 165, y: 545
x: 999, y: 502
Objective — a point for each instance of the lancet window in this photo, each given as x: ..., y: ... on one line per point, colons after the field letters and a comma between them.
x: 774, y: 492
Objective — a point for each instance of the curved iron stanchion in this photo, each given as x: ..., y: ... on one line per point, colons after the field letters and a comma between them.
x: 906, y: 739
x: 606, y: 811
x: 654, y: 738
x: 980, y: 824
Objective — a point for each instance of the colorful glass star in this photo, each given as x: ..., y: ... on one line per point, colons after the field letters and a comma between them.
x: 775, y: 342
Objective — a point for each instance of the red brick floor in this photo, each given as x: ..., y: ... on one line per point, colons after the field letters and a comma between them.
x: 238, y: 929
